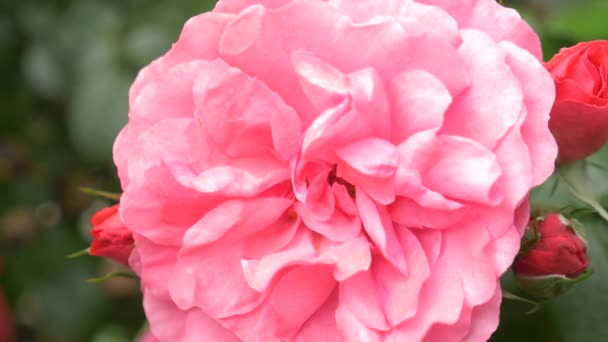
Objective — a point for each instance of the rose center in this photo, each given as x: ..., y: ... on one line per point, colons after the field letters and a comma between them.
x: 332, y: 178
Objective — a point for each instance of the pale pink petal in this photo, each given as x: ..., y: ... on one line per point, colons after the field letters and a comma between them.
x: 490, y: 75
x: 272, y: 238
x: 236, y: 110
x: 191, y: 278
x: 338, y: 227
x: 234, y: 220
x: 408, y: 213
x: 465, y: 170
x: 516, y: 177
x: 371, y: 156
x: 169, y: 323
x: 401, y: 294
x: 161, y: 209
x: 348, y: 258
x: 378, y: 225
x: 236, y: 6
x: 322, y: 325
x: 298, y: 295
x: 484, y: 319
x: 231, y: 181
x: 478, y: 276
x: 351, y: 328
x: 534, y: 82
x: 324, y: 85
x: 430, y: 241
x: 412, y: 93
x: 191, y: 46
x: 360, y: 295
x: 489, y: 16
x: 441, y: 301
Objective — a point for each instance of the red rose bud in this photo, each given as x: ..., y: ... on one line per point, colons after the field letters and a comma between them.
x: 7, y: 325
x: 7, y: 328
x: 556, y: 261
x: 579, y: 118
x: 111, y: 238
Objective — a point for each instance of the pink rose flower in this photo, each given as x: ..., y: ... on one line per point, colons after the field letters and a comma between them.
x: 334, y: 170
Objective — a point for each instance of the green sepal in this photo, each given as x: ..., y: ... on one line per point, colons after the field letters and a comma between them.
x: 99, y: 193
x: 530, y: 238
x: 110, y: 276
x: 549, y: 286
x: 512, y: 296
x: 78, y: 254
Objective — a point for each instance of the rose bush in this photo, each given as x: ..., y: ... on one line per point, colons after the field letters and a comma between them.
x: 111, y: 238
x: 334, y: 170
x: 579, y: 119
x: 559, y: 251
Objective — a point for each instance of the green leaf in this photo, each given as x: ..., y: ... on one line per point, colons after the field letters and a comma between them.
x: 578, y: 181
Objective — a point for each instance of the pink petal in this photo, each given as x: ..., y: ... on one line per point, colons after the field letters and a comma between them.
x: 322, y: 325
x: 476, y: 270
x: 348, y: 258
x: 490, y: 75
x: 412, y: 93
x: 370, y: 156
x: 277, y: 319
x: 324, y: 85
x: 452, y: 173
x: 242, y: 31
x: 500, y: 22
x: 298, y: 295
x: 161, y: 209
x: 378, y: 225
x: 351, y: 328
x: 191, y: 280
x: 360, y: 294
x: 441, y: 301
x: 234, y: 220
x: 337, y: 227
x: 516, y: 178
x: 190, y: 46
x: 408, y: 213
x: 240, y: 121
x: 236, y: 6
x: 271, y: 239
x: 169, y: 323
x: 535, y: 132
x: 484, y: 319
x: 233, y: 182
x: 401, y: 294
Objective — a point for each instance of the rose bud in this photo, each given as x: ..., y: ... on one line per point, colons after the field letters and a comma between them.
x: 7, y: 328
x: 111, y: 238
x: 579, y: 118
x: 556, y: 261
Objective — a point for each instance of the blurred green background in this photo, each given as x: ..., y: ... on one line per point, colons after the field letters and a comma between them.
x: 65, y: 71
